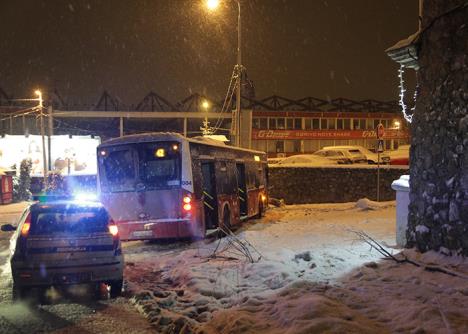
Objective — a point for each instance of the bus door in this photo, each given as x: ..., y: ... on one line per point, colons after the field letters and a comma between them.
x: 242, y: 190
x: 210, y: 198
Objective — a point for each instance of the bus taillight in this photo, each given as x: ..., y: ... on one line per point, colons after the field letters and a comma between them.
x: 187, y: 203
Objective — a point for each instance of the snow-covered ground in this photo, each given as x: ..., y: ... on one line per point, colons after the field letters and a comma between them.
x: 312, y: 274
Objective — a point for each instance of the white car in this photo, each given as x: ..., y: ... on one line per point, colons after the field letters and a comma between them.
x: 371, y: 157
x: 349, y: 156
x: 307, y: 160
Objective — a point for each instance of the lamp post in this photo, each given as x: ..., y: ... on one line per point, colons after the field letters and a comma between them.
x: 213, y: 5
x: 206, y: 129
x: 41, y: 115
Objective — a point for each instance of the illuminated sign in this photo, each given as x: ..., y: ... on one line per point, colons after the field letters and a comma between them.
x: 75, y: 155
x: 160, y: 153
x: 325, y: 134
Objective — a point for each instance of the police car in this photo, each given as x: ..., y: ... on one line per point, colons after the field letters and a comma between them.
x: 63, y: 243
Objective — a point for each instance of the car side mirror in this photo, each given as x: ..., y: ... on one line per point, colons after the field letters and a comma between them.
x: 8, y: 228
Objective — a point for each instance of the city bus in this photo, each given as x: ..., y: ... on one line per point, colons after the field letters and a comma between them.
x: 164, y: 185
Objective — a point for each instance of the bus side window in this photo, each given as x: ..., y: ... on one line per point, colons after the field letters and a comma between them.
x: 250, y: 175
x: 197, y: 178
x: 259, y: 177
x: 231, y: 178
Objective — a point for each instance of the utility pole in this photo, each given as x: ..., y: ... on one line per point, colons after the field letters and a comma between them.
x: 41, y: 116
x: 51, y: 133
x: 239, y: 77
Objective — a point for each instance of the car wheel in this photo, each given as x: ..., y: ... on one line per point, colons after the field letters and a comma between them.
x: 116, y: 288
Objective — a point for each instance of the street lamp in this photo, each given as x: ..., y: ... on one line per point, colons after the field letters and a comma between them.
x: 44, y: 157
x: 212, y: 5
x: 206, y: 129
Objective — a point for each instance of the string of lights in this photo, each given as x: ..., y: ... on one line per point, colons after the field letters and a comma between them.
x: 404, y: 109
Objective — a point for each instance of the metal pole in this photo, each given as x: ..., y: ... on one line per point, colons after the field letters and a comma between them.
x: 378, y: 175
x: 51, y: 133
x: 239, y: 77
x: 44, y: 156
x: 185, y: 126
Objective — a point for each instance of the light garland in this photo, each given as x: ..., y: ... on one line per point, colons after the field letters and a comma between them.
x: 404, y: 108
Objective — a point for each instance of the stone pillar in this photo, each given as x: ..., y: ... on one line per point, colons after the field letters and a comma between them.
x: 438, y: 210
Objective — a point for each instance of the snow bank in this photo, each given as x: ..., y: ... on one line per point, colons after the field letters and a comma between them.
x: 367, y: 204
x: 313, y: 276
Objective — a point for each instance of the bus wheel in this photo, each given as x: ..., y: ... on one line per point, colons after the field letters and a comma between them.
x: 261, y: 210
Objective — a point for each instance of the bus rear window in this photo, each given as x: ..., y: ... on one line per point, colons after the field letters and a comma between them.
x: 119, y: 166
x: 159, y: 165
x: 69, y: 222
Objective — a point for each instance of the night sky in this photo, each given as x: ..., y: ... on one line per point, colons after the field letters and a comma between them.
x: 293, y: 48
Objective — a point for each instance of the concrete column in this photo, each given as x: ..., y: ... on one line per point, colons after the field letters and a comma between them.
x: 121, y: 127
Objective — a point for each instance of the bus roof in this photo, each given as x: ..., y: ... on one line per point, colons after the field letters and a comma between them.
x: 168, y: 136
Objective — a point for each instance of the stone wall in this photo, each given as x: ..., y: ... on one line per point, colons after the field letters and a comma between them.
x: 438, y: 210
x: 299, y: 185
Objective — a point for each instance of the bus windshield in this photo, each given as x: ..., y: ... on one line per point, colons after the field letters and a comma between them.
x: 159, y: 165
x: 140, y: 166
x: 119, y: 167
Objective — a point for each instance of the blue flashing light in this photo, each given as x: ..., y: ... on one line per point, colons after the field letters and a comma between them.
x: 85, y: 197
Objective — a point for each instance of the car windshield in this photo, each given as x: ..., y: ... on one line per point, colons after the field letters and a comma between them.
x: 69, y: 221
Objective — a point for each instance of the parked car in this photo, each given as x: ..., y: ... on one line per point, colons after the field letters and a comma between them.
x: 349, y: 156
x: 400, y: 156
x: 64, y: 243
x: 307, y: 160
x: 371, y: 157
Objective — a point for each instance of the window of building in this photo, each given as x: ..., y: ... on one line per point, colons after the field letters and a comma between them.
x: 316, y: 123
x: 347, y: 124
x: 255, y: 123
x: 296, y: 146
x: 308, y: 123
x: 376, y: 123
x: 356, y: 125
x: 263, y: 123
x: 289, y: 123
x: 280, y: 123
x: 298, y: 123
x: 370, y: 124
x: 280, y: 146
x: 272, y: 123
x: 340, y: 124
x: 324, y: 123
